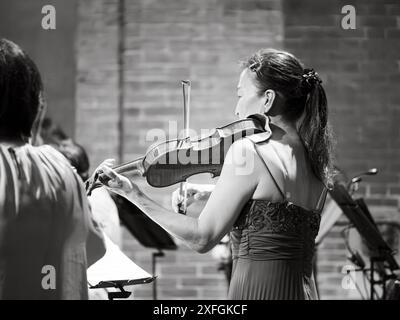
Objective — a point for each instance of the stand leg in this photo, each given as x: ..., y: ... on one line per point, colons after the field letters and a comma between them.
x: 119, y: 295
x: 154, y: 260
x: 381, y: 281
x: 372, y: 279
x: 384, y: 289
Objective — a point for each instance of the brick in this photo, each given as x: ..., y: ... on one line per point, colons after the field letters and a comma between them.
x: 375, y: 33
x: 331, y: 257
x: 382, y: 202
x: 142, y: 294
x: 179, y: 293
x: 339, y: 245
x: 167, y: 282
x: 393, y: 9
x: 394, y: 190
x: 328, y: 268
x: 392, y: 33
x: 209, y: 269
x: 329, y: 293
x: 382, y: 190
x: 203, y: 282
x: 294, y: 8
x: 178, y: 270
x: 213, y: 295
x: 377, y: 21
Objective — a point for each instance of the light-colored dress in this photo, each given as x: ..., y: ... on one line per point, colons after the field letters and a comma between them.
x: 45, y: 226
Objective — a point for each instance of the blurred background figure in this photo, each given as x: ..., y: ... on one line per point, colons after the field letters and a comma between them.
x: 51, y: 133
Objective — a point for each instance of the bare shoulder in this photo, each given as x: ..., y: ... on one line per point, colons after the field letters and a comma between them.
x: 288, y: 149
x: 239, y: 150
x: 242, y: 145
x: 241, y: 159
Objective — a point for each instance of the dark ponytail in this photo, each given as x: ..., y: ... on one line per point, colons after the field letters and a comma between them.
x: 314, y: 130
x: 304, y: 97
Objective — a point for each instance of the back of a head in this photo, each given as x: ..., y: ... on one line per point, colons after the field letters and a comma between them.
x: 52, y: 133
x: 76, y: 155
x: 20, y: 92
x: 304, y: 101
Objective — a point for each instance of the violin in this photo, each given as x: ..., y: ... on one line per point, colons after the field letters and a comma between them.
x: 174, y: 161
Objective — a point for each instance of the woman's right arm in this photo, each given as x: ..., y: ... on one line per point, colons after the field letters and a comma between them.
x: 234, y: 188
x: 195, y: 192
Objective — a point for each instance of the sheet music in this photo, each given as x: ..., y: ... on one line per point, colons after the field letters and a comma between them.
x: 114, y: 266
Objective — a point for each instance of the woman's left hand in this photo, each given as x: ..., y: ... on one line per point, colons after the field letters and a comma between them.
x: 114, y: 181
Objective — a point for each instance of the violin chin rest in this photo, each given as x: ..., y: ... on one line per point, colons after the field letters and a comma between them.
x: 260, y: 118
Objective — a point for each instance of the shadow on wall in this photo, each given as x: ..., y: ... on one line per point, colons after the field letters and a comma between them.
x: 52, y: 50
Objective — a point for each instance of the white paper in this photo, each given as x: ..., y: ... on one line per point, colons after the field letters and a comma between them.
x: 114, y: 266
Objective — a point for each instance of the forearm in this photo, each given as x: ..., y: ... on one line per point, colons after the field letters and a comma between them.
x: 206, y: 187
x: 182, y: 227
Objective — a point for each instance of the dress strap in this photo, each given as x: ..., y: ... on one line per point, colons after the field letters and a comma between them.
x: 272, y: 168
x: 322, y: 198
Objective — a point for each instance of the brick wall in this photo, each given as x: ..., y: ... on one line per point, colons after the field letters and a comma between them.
x: 97, y: 78
x: 361, y: 72
x: 167, y: 41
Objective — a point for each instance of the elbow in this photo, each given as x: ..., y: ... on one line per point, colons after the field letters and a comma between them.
x: 203, y: 239
x: 204, y: 245
x: 203, y: 249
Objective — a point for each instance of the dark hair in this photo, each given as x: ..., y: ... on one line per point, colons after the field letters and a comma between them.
x: 20, y: 91
x: 52, y: 133
x: 76, y: 155
x: 303, y: 94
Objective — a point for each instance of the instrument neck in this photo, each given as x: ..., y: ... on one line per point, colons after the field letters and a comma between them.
x: 135, y: 165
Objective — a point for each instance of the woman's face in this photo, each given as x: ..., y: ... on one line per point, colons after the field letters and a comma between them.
x: 249, y: 102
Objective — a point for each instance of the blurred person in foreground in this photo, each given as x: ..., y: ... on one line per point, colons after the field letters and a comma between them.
x: 45, y: 218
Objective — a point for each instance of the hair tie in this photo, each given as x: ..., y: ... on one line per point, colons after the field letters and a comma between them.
x: 255, y: 67
x: 311, y: 77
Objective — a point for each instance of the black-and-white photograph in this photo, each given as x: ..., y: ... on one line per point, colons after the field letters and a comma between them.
x: 212, y: 150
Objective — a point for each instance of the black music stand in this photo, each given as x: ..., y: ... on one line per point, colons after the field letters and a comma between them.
x: 120, y: 284
x: 381, y: 254
x: 146, y: 231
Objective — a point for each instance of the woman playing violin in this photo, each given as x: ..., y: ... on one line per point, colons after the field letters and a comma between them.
x: 272, y: 211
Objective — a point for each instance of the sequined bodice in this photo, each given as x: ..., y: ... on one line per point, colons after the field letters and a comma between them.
x: 276, y: 231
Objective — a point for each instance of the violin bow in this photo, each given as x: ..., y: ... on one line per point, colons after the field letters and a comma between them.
x: 182, y: 206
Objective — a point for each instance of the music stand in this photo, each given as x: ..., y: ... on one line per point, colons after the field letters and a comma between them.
x: 358, y: 214
x: 146, y: 231
x: 116, y: 270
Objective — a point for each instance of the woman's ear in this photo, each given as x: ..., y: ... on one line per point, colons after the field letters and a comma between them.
x: 269, y: 98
